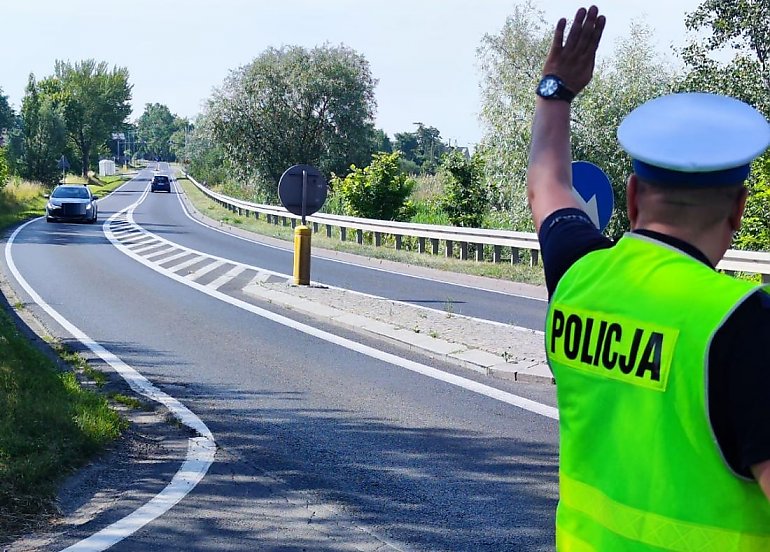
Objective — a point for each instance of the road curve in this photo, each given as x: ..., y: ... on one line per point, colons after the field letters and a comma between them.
x: 320, y: 447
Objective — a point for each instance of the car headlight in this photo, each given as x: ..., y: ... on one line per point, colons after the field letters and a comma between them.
x: 88, y: 206
x: 50, y: 206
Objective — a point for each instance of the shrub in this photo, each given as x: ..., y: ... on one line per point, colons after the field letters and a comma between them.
x: 379, y: 191
x: 464, y: 199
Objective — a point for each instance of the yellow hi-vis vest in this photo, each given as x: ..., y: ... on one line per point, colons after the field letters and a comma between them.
x: 627, y: 337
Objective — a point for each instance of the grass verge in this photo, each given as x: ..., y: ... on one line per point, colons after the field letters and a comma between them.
x: 49, y: 425
x: 521, y: 272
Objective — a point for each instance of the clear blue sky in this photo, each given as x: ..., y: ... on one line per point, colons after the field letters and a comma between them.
x: 423, y: 52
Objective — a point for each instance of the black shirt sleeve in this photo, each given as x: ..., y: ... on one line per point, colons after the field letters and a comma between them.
x: 739, y: 385
x: 565, y: 236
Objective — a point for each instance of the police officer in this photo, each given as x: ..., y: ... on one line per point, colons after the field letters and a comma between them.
x: 662, y: 364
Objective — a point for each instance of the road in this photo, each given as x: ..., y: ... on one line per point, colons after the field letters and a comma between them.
x: 326, y: 439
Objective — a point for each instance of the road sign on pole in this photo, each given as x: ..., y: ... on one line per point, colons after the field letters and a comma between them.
x: 302, y: 190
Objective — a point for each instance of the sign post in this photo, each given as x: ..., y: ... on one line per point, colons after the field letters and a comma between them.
x: 63, y: 164
x: 302, y: 190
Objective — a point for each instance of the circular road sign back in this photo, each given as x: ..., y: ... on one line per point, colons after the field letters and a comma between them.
x: 293, y: 194
x: 592, y: 188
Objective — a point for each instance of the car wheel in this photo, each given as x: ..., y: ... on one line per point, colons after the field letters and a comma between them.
x: 48, y: 219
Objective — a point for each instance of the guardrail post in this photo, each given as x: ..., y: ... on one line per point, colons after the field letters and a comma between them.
x: 343, y: 233
x: 421, y: 245
x: 377, y: 239
x: 464, y: 251
x: 294, y: 223
x: 434, y: 245
x: 449, y: 249
x: 535, y: 255
x: 285, y: 221
x: 515, y: 255
x: 496, y: 254
x: 359, y: 236
x: 256, y: 215
x: 328, y: 230
x: 398, y: 242
x: 480, y: 252
x: 315, y: 228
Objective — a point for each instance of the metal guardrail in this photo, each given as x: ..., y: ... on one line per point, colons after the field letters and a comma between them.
x: 496, y: 242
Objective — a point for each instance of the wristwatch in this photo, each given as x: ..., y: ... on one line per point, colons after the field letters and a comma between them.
x: 552, y: 87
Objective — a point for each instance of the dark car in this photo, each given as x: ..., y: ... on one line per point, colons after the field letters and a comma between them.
x: 160, y: 183
x: 73, y: 202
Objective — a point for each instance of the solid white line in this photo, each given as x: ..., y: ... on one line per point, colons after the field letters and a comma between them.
x: 480, y: 388
x: 200, y: 452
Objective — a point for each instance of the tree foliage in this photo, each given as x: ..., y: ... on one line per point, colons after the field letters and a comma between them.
x: 95, y: 102
x: 7, y: 116
x: 635, y: 73
x: 42, y: 137
x: 378, y: 191
x: 294, y: 105
x: 740, y: 28
x: 464, y: 199
x: 156, y: 126
x: 511, y: 62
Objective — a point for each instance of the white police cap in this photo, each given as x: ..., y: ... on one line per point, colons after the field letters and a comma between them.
x: 694, y: 139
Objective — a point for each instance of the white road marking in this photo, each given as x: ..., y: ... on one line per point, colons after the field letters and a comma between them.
x: 200, y: 451
x: 262, y: 244
x: 470, y: 385
x: 205, y: 270
x: 226, y: 277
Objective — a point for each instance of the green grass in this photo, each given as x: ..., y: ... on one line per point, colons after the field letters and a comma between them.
x: 520, y: 272
x: 49, y: 425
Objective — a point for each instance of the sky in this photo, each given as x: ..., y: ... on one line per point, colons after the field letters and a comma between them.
x: 422, y: 52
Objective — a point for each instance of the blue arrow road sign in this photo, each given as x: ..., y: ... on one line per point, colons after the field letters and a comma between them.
x: 592, y: 188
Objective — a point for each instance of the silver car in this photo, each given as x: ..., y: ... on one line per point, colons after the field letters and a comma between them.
x: 71, y: 202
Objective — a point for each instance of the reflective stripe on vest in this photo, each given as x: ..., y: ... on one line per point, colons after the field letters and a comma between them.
x: 652, y: 529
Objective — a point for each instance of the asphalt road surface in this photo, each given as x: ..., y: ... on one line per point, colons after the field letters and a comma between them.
x: 326, y: 440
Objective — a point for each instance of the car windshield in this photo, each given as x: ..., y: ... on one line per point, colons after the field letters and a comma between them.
x: 76, y: 192
x: 161, y: 178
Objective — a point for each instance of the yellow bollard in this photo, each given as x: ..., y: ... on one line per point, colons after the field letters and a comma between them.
x: 302, y: 255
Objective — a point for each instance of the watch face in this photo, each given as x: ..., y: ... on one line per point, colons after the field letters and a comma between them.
x: 548, y: 86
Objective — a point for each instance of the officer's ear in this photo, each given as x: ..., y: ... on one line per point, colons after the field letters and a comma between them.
x: 737, y: 211
x: 632, y: 200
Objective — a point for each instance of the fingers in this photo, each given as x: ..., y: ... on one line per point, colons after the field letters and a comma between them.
x: 576, y: 30
x: 586, y: 30
x: 558, y: 35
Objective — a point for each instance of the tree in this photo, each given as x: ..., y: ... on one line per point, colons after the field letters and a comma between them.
x: 743, y: 27
x: 381, y: 142
x: 293, y: 105
x: 636, y: 73
x: 511, y: 62
x: 156, y: 126
x: 465, y: 199
x: 378, y: 191
x: 42, y: 138
x: 95, y: 101
x: 7, y: 116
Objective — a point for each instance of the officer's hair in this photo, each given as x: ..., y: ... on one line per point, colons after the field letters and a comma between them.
x: 697, y: 209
